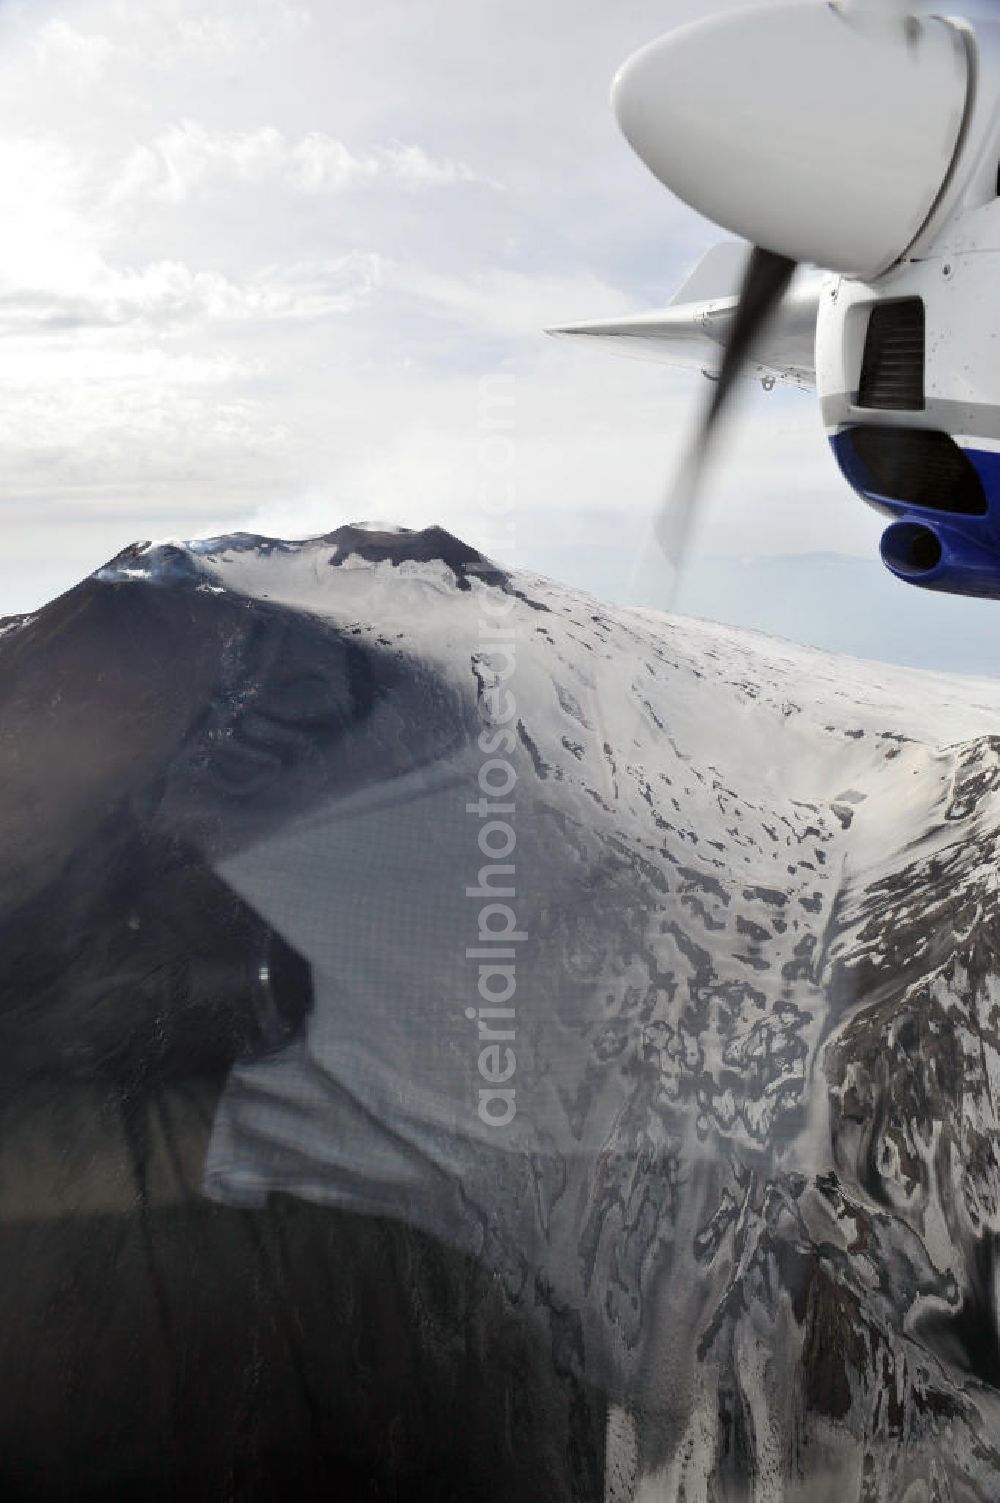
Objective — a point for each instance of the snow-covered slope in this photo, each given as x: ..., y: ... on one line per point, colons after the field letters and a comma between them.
x: 750, y: 1057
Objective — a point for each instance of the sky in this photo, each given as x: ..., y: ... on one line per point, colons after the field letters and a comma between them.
x: 272, y: 264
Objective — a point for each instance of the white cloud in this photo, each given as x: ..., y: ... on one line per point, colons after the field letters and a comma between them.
x: 412, y: 164
x: 78, y: 58
x: 48, y: 236
x: 61, y: 362
x: 168, y: 292
x: 253, y: 267
x: 188, y: 159
x: 166, y: 33
x: 504, y: 302
x: 129, y: 436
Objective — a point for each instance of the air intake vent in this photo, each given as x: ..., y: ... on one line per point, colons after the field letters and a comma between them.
x: 892, y: 368
x: 913, y: 465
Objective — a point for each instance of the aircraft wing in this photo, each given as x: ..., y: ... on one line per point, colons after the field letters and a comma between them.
x: 694, y: 329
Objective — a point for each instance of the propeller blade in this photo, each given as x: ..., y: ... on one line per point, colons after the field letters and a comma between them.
x: 766, y: 281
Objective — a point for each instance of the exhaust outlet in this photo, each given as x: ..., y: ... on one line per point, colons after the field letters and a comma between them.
x: 910, y: 549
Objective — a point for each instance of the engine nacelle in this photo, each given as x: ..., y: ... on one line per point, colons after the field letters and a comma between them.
x: 908, y: 376
x: 867, y: 141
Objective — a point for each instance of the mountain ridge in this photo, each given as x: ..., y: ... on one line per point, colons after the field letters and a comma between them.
x: 751, y: 1175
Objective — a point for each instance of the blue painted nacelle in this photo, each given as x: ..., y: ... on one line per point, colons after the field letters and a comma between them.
x: 908, y: 377
x: 944, y: 501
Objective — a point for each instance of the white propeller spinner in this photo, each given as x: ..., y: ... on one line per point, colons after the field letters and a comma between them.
x: 802, y: 131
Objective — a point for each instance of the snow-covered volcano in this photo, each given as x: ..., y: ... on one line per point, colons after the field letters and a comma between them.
x: 651, y: 963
